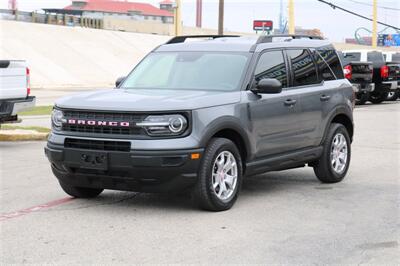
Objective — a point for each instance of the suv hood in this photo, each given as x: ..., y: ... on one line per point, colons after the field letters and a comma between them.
x: 147, y: 100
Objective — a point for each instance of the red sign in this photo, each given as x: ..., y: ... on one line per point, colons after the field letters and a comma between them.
x: 265, y: 25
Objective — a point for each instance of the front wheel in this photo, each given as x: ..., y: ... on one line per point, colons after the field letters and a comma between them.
x: 335, y: 160
x: 219, y: 177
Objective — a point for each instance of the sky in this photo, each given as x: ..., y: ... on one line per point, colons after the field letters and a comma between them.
x: 239, y: 14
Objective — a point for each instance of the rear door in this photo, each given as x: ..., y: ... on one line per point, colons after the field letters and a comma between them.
x: 274, y: 116
x: 306, y: 83
x: 315, y: 74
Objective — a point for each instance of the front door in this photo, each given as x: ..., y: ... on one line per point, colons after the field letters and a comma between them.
x: 274, y: 116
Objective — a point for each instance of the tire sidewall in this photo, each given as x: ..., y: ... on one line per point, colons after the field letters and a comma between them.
x: 337, y: 128
x: 213, y: 150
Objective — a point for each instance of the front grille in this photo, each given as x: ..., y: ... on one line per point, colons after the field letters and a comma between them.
x: 104, y: 116
x: 102, y: 130
x: 97, y: 145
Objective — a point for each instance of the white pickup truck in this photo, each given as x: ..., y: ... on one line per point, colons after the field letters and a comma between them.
x: 14, y: 90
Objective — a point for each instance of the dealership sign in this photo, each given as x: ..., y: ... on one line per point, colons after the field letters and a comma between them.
x: 264, y: 25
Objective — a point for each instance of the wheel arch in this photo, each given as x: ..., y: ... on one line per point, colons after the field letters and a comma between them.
x: 232, y: 130
x: 341, y: 117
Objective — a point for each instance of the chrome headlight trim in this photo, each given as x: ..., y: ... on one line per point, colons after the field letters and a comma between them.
x: 164, y: 125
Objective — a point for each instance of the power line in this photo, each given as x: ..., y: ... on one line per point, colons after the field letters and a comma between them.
x: 358, y: 15
x: 367, y: 4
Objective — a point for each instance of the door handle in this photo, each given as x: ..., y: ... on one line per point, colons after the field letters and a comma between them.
x: 290, y: 102
x: 325, y: 98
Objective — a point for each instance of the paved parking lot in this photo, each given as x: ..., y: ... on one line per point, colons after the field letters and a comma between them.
x: 281, y: 217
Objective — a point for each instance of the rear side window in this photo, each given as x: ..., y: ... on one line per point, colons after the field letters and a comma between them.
x: 328, y: 53
x: 348, y: 57
x: 396, y: 57
x: 303, y: 67
x: 271, y: 65
x: 375, y: 57
x: 324, y: 71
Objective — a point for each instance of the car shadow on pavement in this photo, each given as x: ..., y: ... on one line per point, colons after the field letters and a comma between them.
x: 270, y: 183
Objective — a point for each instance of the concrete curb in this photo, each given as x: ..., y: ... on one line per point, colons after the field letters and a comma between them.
x: 5, y: 135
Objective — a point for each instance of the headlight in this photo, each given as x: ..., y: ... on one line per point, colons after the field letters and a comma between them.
x: 164, y: 125
x: 57, y: 118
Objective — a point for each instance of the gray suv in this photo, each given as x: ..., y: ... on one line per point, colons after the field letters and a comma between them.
x: 204, y: 114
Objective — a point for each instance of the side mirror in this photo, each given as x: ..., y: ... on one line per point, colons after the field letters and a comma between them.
x: 268, y: 86
x: 119, y: 81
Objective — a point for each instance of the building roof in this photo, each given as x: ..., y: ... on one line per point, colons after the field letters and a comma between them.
x: 120, y: 7
x: 166, y: 2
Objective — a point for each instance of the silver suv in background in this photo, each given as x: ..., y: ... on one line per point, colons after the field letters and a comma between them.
x: 202, y: 115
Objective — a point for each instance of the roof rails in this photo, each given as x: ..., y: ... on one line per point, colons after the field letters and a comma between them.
x: 180, y: 39
x: 268, y: 38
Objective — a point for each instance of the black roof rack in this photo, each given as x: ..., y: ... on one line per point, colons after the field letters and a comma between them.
x: 268, y: 38
x: 180, y: 39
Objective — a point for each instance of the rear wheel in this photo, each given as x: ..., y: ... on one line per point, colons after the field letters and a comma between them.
x: 220, y: 176
x: 335, y: 160
x: 393, y: 95
x: 80, y: 192
x: 378, y: 97
x: 362, y: 98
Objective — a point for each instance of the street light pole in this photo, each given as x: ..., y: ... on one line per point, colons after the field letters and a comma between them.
x: 375, y: 24
x: 221, y: 18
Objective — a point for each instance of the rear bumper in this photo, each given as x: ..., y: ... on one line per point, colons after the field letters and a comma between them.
x: 148, y: 171
x: 363, y: 87
x: 13, y: 106
x: 392, y: 85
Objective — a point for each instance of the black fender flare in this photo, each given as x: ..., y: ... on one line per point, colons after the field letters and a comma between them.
x: 227, y: 123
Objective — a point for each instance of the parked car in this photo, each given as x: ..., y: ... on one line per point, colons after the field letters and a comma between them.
x: 202, y: 115
x: 393, y: 57
x: 14, y: 90
x: 360, y: 75
x: 384, y: 74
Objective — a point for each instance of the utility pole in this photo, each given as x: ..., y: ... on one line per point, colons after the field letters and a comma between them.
x: 199, y: 12
x: 375, y: 24
x: 177, y: 18
x: 221, y: 18
x: 291, y: 17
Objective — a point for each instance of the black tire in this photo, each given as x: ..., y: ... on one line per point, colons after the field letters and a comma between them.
x: 323, y: 168
x: 378, y: 97
x: 80, y: 192
x: 204, y: 194
x: 393, y: 95
x: 362, y: 98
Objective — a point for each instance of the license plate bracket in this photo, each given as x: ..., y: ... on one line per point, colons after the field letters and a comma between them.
x: 88, y: 159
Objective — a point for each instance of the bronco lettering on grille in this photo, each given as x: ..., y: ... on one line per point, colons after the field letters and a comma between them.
x: 97, y: 123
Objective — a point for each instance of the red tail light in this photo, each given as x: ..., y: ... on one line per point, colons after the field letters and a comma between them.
x: 347, y: 70
x: 384, y: 72
x: 28, y: 82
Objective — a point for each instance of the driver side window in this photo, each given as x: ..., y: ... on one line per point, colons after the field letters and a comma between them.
x: 271, y: 64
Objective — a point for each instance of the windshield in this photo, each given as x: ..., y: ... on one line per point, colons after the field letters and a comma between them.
x: 189, y: 70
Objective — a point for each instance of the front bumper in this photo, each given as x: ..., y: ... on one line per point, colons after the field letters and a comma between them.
x: 148, y: 171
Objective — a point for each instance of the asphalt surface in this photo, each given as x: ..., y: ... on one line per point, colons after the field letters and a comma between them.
x: 280, y: 217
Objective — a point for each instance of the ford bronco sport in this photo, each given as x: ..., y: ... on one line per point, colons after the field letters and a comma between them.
x: 204, y: 114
